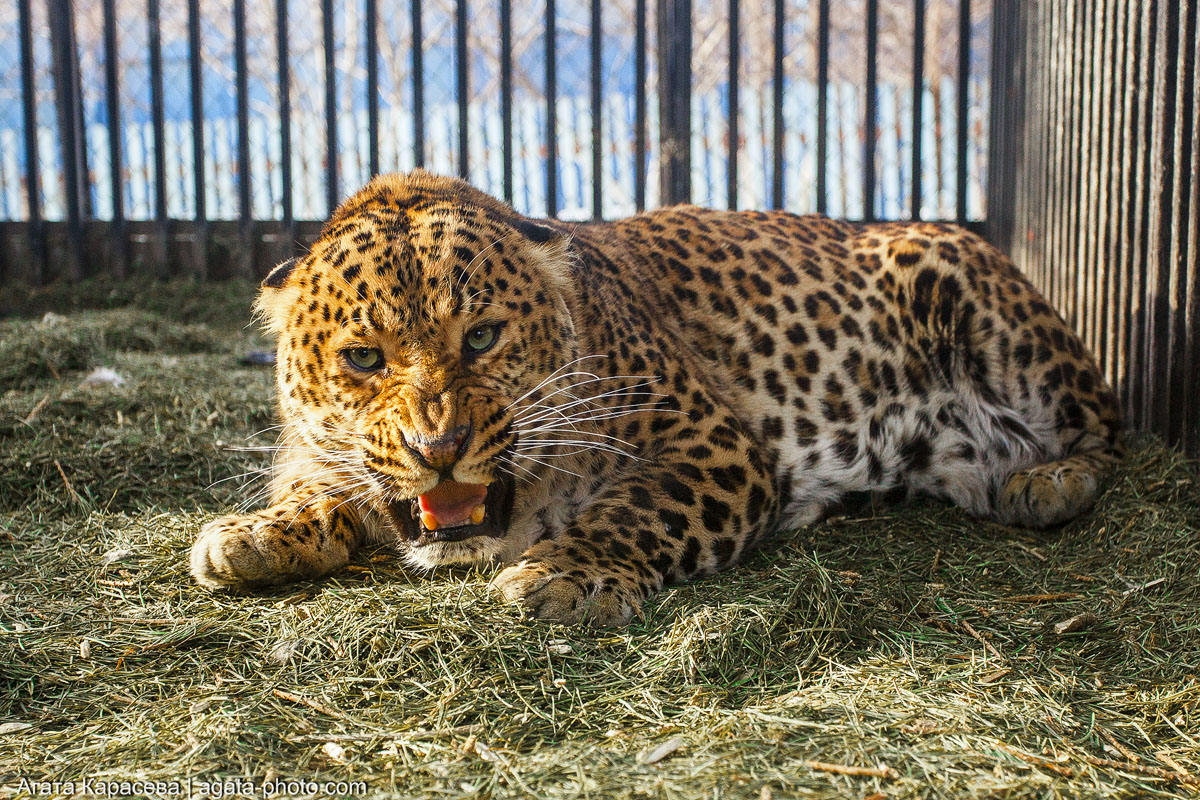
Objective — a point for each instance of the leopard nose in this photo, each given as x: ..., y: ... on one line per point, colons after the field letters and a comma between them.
x: 441, y: 452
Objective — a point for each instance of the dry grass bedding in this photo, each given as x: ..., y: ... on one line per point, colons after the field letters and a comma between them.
x: 897, y: 653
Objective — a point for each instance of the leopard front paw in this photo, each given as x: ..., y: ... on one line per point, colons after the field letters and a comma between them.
x: 229, y: 553
x: 566, y: 595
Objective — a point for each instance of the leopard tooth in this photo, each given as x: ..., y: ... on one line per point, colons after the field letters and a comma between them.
x: 477, y: 514
x: 429, y: 520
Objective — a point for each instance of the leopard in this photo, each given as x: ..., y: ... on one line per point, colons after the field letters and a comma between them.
x: 594, y: 411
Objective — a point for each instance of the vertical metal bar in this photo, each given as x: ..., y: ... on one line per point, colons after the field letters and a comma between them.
x: 1054, y: 156
x: 506, y: 92
x: 731, y: 190
x: 675, y: 99
x: 372, y: 22
x: 1112, y: 167
x: 1041, y: 109
x: 196, y: 84
x: 418, y: 68
x: 918, y: 100
x: 871, y: 122
x: 463, y: 88
x: 68, y: 105
x: 1166, y: 298
x: 1089, y: 236
x: 1001, y: 161
x: 1178, y: 212
x: 597, y: 117
x: 1119, y: 218
x: 112, y: 105
x: 1155, y: 355
x: 1070, y: 207
x: 1134, y: 249
x: 639, y: 105
x: 1191, y: 259
x: 33, y: 191
x: 964, y: 78
x: 822, y: 103
x: 1057, y: 226
x: 283, y: 68
x: 1008, y: 155
x: 332, y: 191
x: 154, y: 22
x: 551, y: 112
x: 777, y: 109
x: 243, y: 126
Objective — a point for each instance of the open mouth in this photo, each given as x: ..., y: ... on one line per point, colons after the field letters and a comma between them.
x: 454, y: 512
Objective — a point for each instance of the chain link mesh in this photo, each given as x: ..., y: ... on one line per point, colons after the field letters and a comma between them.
x: 396, y: 102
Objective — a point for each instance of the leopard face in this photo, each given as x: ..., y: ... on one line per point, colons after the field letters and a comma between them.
x: 411, y: 341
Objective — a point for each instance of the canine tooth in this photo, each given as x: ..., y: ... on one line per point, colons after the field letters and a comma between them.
x: 477, y: 514
x: 429, y: 520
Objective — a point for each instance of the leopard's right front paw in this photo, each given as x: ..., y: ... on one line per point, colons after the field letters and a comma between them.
x: 229, y: 553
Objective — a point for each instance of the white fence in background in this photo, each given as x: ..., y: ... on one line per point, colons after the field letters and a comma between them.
x: 709, y: 156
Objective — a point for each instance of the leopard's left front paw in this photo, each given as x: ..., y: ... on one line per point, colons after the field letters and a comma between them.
x: 566, y: 595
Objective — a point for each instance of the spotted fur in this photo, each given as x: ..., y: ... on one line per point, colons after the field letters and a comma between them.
x: 664, y: 389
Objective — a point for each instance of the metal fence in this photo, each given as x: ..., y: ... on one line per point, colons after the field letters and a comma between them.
x: 1095, y: 158
x: 185, y: 137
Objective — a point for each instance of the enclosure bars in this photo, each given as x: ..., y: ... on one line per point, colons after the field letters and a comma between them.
x: 285, y: 126
x: 332, y: 192
x: 871, y: 124
x: 674, y: 25
x: 462, y: 87
x: 245, y: 223
x: 918, y: 99
x: 372, y: 32
x: 822, y: 105
x: 161, y: 226
x: 675, y: 100
x: 113, y: 118
x: 418, y: 84
x: 777, y: 110
x: 964, y: 82
x: 597, y: 116
x: 673, y: 39
x: 551, y: 112
x: 639, y: 105
x: 1097, y: 197
x: 195, y: 82
x: 68, y: 103
x: 33, y: 193
x: 506, y: 110
x: 731, y: 114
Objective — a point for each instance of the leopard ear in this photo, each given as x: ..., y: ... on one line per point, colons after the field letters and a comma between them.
x: 275, y: 297
x: 277, y: 277
x: 536, y: 232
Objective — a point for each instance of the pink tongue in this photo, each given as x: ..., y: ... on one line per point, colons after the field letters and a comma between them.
x: 451, y: 502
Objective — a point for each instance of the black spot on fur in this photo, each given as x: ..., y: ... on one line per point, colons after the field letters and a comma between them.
x: 916, y: 454
x: 678, y: 491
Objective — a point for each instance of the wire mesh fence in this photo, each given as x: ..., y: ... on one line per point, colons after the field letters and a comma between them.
x: 274, y: 110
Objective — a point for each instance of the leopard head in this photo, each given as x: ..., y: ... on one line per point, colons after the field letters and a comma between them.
x: 425, y: 324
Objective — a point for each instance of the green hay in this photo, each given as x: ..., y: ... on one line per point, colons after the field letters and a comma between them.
x: 857, y: 642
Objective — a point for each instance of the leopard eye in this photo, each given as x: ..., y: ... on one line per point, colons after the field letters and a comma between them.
x: 364, y: 359
x: 482, y: 338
